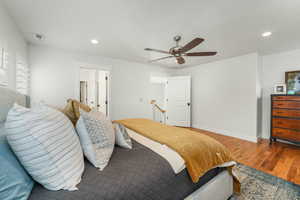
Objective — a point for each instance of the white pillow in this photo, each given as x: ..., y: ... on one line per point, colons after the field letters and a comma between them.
x: 47, y: 145
x: 97, y: 137
x: 122, y: 137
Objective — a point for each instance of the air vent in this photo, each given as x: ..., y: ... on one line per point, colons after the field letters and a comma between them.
x: 38, y: 36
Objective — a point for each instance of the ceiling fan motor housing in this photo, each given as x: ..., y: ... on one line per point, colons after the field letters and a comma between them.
x: 175, y: 51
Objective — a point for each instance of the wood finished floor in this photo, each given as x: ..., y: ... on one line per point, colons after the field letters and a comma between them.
x: 279, y: 159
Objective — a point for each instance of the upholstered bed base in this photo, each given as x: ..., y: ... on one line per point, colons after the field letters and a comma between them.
x: 219, y: 188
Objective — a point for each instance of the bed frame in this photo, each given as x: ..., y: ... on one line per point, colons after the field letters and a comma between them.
x: 218, y: 188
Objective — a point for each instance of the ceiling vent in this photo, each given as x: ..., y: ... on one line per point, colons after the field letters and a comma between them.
x: 39, y: 37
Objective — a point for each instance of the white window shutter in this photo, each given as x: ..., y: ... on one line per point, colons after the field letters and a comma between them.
x: 22, y: 77
x: 3, y: 67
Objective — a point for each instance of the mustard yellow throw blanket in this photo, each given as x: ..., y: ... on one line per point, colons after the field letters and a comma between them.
x: 200, y: 152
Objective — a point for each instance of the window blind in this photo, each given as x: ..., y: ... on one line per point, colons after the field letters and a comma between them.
x: 3, y: 67
x: 22, y: 77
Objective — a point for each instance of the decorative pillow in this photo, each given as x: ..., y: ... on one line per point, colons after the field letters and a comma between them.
x: 122, y: 137
x: 77, y: 106
x: 97, y: 137
x: 72, y: 110
x: 15, y: 183
x: 47, y: 145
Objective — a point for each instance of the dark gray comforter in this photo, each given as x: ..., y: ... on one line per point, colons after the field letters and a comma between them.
x: 137, y: 174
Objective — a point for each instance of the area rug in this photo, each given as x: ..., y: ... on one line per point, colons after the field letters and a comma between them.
x: 257, y: 185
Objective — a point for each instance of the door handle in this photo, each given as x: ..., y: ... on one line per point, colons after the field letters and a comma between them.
x: 188, y: 104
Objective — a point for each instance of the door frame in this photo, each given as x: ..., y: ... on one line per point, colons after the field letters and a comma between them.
x: 166, y: 97
x: 97, y: 68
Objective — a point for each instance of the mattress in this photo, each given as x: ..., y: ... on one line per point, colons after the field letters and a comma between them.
x: 133, y: 174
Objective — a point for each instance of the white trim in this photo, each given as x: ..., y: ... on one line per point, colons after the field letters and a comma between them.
x: 227, y: 133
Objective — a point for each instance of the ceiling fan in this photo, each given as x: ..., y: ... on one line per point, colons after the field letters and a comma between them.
x: 179, y: 52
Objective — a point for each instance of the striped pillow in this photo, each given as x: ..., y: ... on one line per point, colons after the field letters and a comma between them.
x: 46, y: 144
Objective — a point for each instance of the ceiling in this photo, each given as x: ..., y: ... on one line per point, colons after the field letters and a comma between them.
x: 125, y: 27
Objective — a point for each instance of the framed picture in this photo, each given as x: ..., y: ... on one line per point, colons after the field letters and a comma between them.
x: 292, y: 80
x: 280, y: 89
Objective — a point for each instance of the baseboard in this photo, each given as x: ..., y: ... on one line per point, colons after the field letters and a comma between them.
x: 226, y: 133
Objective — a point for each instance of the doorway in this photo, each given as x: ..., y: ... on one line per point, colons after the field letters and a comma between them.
x: 94, y: 89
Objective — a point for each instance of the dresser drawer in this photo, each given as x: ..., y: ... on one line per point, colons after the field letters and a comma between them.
x: 288, y: 98
x: 286, y: 123
x: 286, y: 104
x: 286, y: 113
x: 286, y: 134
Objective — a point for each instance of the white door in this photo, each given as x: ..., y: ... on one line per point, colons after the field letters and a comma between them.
x: 103, y: 91
x: 178, y: 101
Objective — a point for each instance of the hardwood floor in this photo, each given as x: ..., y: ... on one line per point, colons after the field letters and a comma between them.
x: 279, y: 159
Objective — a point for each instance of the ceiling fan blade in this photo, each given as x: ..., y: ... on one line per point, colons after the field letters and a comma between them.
x: 180, y: 60
x: 157, y: 50
x: 201, y: 54
x: 158, y: 59
x: 191, y: 45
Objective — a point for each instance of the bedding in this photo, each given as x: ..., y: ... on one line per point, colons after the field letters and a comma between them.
x: 122, y: 137
x: 15, y: 183
x: 46, y: 144
x: 174, y: 159
x: 200, y: 152
x: 133, y: 174
x: 97, y: 137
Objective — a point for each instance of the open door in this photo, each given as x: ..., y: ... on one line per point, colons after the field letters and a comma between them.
x: 94, y: 89
x: 103, y: 91
x: 88, y: 87
x: 178, y: 101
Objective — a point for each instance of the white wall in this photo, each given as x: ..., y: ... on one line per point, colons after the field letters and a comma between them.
x: 55, y: 78
x: 13, y: 42
x: 274, y: 68
x: 224, y: 96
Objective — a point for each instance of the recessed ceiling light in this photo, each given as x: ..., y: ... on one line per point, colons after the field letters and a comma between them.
x: 266, y: 34
x: 94, y: 41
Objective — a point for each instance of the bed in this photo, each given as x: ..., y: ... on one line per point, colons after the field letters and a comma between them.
x: 139, y: 173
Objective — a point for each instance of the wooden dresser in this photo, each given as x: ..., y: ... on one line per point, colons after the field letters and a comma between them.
x: 285, y: 118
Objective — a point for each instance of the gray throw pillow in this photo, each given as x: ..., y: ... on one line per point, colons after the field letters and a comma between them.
x: 122, y: 137
x: 96, y: 136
